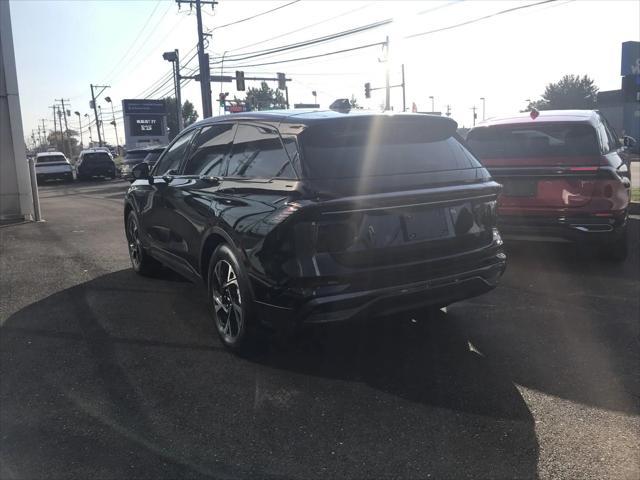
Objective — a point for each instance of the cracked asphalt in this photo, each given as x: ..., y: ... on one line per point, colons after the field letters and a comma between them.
x: 105, y: 374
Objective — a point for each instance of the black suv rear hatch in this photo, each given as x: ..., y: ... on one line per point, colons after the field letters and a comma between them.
x: 391, y: 190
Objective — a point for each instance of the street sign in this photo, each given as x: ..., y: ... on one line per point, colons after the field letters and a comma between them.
x: 630, y: 64
x: 144, y: 126
x: 144, y: 122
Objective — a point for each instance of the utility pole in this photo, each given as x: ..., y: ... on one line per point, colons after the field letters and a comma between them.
x: 44, y: 132
x: 178, y: 94
x: 404, y: 106
x: 203, y: 58
x: 475, y: 115
x: 55, y: 131
x: 66, y: 127
x: 448, y: 110
x: 387, y: 97
x: 95, y: 109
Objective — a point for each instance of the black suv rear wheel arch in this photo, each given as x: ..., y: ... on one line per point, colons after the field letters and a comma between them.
x: 215, y: 238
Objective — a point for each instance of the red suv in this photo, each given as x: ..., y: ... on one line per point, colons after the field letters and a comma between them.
x: 564, y: 177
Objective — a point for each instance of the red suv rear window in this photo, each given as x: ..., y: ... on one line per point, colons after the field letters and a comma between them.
x: 534, y: 140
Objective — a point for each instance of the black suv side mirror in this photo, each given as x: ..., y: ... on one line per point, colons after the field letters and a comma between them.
x: 629, y: 141
x: 140, y: 171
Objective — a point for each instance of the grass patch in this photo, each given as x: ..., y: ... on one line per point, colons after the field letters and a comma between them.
x: 635, y: 194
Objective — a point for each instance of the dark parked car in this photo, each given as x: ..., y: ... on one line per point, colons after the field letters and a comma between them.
x: 565, y: 177
x: 294, y: 218
x: 153, y: 153
x: 95, y: 163
x: 132, y: 158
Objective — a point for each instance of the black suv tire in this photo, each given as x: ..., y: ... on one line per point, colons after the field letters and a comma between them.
x: 141, y: 262
x: 231, y: 301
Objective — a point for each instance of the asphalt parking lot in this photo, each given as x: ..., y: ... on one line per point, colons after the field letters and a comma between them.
x: 105, y: 374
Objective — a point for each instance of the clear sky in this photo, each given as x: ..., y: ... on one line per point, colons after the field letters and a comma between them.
x: 63, y: 46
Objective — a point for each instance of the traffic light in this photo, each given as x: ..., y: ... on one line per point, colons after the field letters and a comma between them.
x: 222, y: 98
x: 367, y: 90
x: 282, y: 81
x: 240, y: 80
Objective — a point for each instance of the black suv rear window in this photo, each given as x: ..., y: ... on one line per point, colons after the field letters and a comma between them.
x: 152, y: 157
x: 381, y: 147
x: 539, y: 140
x: 135, y: 157
x: 99, y: 157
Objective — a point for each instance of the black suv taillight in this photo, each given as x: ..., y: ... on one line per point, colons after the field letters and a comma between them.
x: 486, y: 214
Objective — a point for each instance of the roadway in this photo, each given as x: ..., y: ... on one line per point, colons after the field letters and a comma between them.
x: 106, y: 374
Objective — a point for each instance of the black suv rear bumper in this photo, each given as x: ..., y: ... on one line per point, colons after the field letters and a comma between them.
x: 437, y: 291
x: 102, y: 171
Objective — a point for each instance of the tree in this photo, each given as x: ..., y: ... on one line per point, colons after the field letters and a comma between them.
x: 354, y: 103
x: 572, y: 91
x: 56, y: 141
x: 265, y: 98
x: 189, y: 115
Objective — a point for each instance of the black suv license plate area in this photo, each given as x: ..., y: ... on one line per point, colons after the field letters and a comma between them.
x: 425, y: 225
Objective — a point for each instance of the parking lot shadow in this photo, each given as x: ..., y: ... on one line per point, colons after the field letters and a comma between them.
x: 123, y: 377
x: 564, y: 323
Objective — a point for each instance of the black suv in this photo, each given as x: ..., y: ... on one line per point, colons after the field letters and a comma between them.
x: 95, y: 163
x: 294, y: 218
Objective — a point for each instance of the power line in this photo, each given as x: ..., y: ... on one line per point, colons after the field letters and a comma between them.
x: 313, y: 56
x: 255, y: 16
x: 429, y: 10
x: 135, y: 41
x: 300, y: 29
x: 146, y: 40
x: 479, y: 19
x: 304, y: 43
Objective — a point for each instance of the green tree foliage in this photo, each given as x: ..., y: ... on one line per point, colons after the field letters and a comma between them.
x: 572, y: 91
x: 189, y: 115
x: 354, y: 103
x: 55, y: 140
x: 265, y: 98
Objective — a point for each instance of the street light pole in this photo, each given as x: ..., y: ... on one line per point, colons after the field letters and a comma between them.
x: 483, y: 107
x: 86, y: 115
x: 174, y: 58
x: 104, y: 137
x: 433, y: 108
x: 80, y: 123
x: 113, y: 122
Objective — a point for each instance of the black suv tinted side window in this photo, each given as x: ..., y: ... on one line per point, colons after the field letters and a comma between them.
x: 210, y: 151
x: 258, y: 153
x: 175, y: 154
